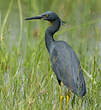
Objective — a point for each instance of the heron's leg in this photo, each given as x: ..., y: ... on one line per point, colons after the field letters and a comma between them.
x: 68, y: 97
x: 67, y: 100
x: 61, y: 98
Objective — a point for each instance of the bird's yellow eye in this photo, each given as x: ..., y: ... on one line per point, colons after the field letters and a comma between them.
x: 46, y: 15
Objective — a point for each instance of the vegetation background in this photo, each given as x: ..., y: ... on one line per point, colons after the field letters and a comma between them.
x: 27, y: 81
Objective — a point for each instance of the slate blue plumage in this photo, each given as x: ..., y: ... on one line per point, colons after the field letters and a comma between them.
x: 65, y: 62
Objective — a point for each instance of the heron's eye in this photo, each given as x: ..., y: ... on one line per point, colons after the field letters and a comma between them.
x: 46, y: 15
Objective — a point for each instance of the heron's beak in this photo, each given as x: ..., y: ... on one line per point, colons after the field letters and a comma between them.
x: 36, y: 17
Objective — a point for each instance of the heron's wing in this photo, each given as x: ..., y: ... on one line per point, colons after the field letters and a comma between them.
x: 66, y: 65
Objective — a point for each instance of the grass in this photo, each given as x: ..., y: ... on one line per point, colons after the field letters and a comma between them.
x: 27, y: 81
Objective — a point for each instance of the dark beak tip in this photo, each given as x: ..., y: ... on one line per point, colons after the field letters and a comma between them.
x: 26, y: 19
x: 31, y: 18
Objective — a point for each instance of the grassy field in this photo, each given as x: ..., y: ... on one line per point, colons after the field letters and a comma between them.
x: 27, y: 81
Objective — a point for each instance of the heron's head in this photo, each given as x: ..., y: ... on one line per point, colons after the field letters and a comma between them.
x: 48, y: 16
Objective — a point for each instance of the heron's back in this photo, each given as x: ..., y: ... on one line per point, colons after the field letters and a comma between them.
x: 67, y: 68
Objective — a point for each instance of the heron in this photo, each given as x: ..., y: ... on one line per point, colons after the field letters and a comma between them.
x: 64, y: 60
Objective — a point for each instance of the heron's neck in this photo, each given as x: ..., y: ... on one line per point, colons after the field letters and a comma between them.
x: 50, y: 32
